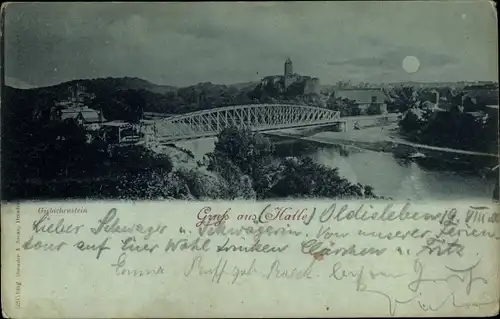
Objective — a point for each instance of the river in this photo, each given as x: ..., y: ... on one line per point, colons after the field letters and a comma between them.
x: 405, y: 180
x: 400, y: 180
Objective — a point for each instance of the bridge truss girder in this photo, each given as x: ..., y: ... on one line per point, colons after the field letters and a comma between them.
x: 260, y: 117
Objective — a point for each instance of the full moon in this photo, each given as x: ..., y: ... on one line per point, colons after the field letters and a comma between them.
x: 411, y: 64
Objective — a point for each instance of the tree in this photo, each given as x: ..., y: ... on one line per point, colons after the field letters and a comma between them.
x: 345, y: 106
x: 43, y: 104
x: 302, y: 177
x: 427, y: 94
x: 137, y: 159
x: 150, y: 185
x: 403, y: 98
x: 246, y: 149
x: 488, y: 135
x: 453, y: 128
x: 241, y: 157
x: 373, y: 109
x: 414, y: 120
x: 132, y: 103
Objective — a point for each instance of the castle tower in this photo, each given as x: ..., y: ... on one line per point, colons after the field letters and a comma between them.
x: 288, y: 68
x: 288, y: 72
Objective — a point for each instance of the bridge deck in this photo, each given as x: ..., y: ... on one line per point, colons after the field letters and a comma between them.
x: 171, y: 139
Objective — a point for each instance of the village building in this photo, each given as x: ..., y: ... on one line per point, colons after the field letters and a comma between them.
x: 481, y: 96
x: 74, y: 108
x: 492, y: 110
x: 121, y: 132
x: 484, y: 103
x: 83, y: 115
x: 365, y: 98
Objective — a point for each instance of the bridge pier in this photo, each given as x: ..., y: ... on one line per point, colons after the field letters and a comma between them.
x: 344, y: 150
x: 149, y: 134
x: 341, y: 126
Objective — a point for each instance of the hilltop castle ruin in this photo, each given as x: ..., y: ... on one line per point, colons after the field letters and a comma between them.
x: 311, y: 85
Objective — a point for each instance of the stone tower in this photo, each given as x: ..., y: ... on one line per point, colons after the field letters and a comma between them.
x: 288, y: 72
x: 288, y: 68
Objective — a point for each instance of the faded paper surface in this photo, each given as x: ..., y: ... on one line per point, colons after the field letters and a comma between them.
x: 247, y: 259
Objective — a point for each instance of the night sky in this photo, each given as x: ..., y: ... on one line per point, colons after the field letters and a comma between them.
x: 186, y: 43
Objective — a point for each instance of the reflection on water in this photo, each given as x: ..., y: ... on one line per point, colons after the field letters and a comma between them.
x: 199, y: 147
x: 405, y: 179
x: 396, y: 178
x: 440, y: 179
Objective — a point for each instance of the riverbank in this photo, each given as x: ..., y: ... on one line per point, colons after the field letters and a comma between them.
x: 367, y: 156
x: 378, y: 139
x: 385, y: 139
x: 400, y: 179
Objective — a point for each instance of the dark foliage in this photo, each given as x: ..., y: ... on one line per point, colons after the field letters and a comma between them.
x: 241, y: 152
x: 56, y: 159
x: 456, y: 121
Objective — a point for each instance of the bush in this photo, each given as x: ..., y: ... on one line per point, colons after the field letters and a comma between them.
x: 247, y: 150
x: 302, y: 177
x: 243, y: 160
x: 202, y: 184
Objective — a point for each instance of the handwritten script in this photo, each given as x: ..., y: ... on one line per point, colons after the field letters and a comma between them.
x: 396, y: 259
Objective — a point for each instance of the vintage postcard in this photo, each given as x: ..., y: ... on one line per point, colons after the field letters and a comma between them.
x: 250, y: 159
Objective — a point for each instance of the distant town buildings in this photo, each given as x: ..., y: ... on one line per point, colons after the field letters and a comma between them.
x: 482, y: 95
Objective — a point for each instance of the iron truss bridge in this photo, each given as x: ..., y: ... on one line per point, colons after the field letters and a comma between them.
x: 256, y: 117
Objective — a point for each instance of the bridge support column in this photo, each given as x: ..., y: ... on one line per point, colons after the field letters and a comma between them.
x: 341, y: 126
x: 344, y: 150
